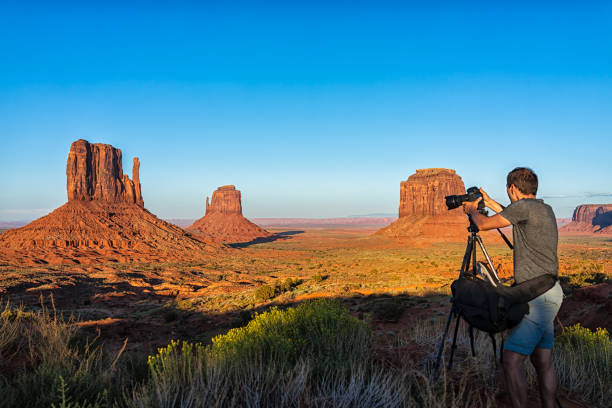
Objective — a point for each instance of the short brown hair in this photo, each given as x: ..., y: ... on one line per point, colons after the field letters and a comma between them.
x: 524, y: 179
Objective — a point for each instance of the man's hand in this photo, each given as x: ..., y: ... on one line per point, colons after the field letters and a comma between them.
x: 470, y: 206
x: 490, y: 203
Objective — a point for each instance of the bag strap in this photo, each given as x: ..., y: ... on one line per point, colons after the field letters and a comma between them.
x: 492, y: 336
x: 528, y: 290
x: 471, y: 332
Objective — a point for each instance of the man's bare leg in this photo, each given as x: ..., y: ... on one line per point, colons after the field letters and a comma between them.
x: 541, y: 359
x: 516, y: 379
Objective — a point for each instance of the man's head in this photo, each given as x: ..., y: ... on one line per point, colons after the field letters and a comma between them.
x: 521, y: 182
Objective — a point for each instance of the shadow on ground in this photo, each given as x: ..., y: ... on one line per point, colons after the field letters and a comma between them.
x: 277, y: 236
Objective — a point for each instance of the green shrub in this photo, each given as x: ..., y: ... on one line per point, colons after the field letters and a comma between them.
x: 583, y: 362
x: 318, y: 277
x: 588, y: 273
x: 264, y: 292
x: 288, y: 284
x: 177, y: 363
x: 321, y: 332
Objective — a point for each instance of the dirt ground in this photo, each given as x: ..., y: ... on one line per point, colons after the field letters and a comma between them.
x: 394, y: 282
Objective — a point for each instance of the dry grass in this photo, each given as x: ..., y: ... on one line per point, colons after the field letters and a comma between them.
x: 404, y: 290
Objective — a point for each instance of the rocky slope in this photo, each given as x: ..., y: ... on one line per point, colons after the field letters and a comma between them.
x: 223, y: 220
x: 104, y: 219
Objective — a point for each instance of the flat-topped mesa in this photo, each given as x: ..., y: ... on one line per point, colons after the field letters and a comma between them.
x: 424, y: 192
x: 590, y: 218
x: 587, y: 213
x: 225, y: 200
x: 94, y: 172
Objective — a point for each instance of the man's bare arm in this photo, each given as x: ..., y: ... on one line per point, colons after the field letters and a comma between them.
x: 485, y: 223
x: 490, y: 203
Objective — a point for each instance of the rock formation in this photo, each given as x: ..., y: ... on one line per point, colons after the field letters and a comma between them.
x: 95, y: 172
x: 423, y: 214
x: 104, y: 219
x: 590, y: 218
x: 225, y: 200
x: 223, y: 220
x: 424, y: 192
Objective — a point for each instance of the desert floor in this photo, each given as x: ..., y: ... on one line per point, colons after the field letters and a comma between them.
x: 397, y: 285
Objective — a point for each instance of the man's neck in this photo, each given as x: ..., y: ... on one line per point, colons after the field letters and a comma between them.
x: 525, y: 196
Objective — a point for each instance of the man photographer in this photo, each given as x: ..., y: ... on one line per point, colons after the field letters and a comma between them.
x: 534, y: 231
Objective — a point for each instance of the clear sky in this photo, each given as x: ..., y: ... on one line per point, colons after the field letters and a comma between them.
x: 312, y: 110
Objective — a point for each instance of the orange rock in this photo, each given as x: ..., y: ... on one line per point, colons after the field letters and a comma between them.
x: 424, y: 192
x: 225, y: 200
x: 423, y: 215
x: 590, y: 218
x: 95, y: 172
x: 223, y: 220
x: 103, y: 221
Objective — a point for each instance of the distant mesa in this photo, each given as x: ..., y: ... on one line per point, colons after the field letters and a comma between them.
x: 590, y: 219
x: 424, y: 192
x: 104, y: 219
x: 423, y: 214
x: 223, y: 220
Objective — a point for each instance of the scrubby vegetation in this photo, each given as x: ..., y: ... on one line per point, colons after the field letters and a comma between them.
x: 44, y: 359
x: 266, y: 292
x: 315, y: 354
x: 583, y: 360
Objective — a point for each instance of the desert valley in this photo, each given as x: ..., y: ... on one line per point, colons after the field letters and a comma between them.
x: 124, y: 285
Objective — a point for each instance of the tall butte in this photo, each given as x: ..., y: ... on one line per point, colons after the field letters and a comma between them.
x: 223, y: 220
x: 590, y: 218
x: 423, y: 215
x: 104, y: 219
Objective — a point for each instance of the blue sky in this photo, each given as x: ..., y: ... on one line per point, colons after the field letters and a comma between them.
x: 312, y: 110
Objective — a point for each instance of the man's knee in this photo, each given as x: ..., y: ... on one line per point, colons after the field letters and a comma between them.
x: 513, y: 360
x: 541, y: 358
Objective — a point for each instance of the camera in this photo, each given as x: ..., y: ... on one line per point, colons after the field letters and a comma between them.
x: 473, y: 194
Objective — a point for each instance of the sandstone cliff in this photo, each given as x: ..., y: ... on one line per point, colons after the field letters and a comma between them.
x: 590, y: 218
x: 225, y: 200
x: 423, y: 193
x: 223, y: 220
x: 95, y: 172
x: 423, y: 215
x: 103, y: 220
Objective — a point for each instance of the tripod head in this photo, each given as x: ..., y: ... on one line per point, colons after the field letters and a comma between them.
x: 473, y: 228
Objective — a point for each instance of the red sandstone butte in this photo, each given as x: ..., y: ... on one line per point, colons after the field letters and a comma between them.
x: 104, y: 219
x: 590, y: 218
x: 95, y: 172
x: 423, y: 214
x: 223, y: 220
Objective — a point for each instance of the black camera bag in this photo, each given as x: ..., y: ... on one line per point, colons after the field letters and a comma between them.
x: 483, y: 307
x: 495, y: 309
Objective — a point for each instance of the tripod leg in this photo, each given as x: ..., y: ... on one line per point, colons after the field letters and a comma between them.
x: 486, y: 254
x: 474, y: 253
x: 465, y: 264
x: 441, y: 349
x: 454, y: 346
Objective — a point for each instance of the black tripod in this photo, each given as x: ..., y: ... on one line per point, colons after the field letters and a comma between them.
x: 487, y: 271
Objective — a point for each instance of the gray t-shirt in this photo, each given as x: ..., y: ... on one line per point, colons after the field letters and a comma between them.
x: 534, y: 229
